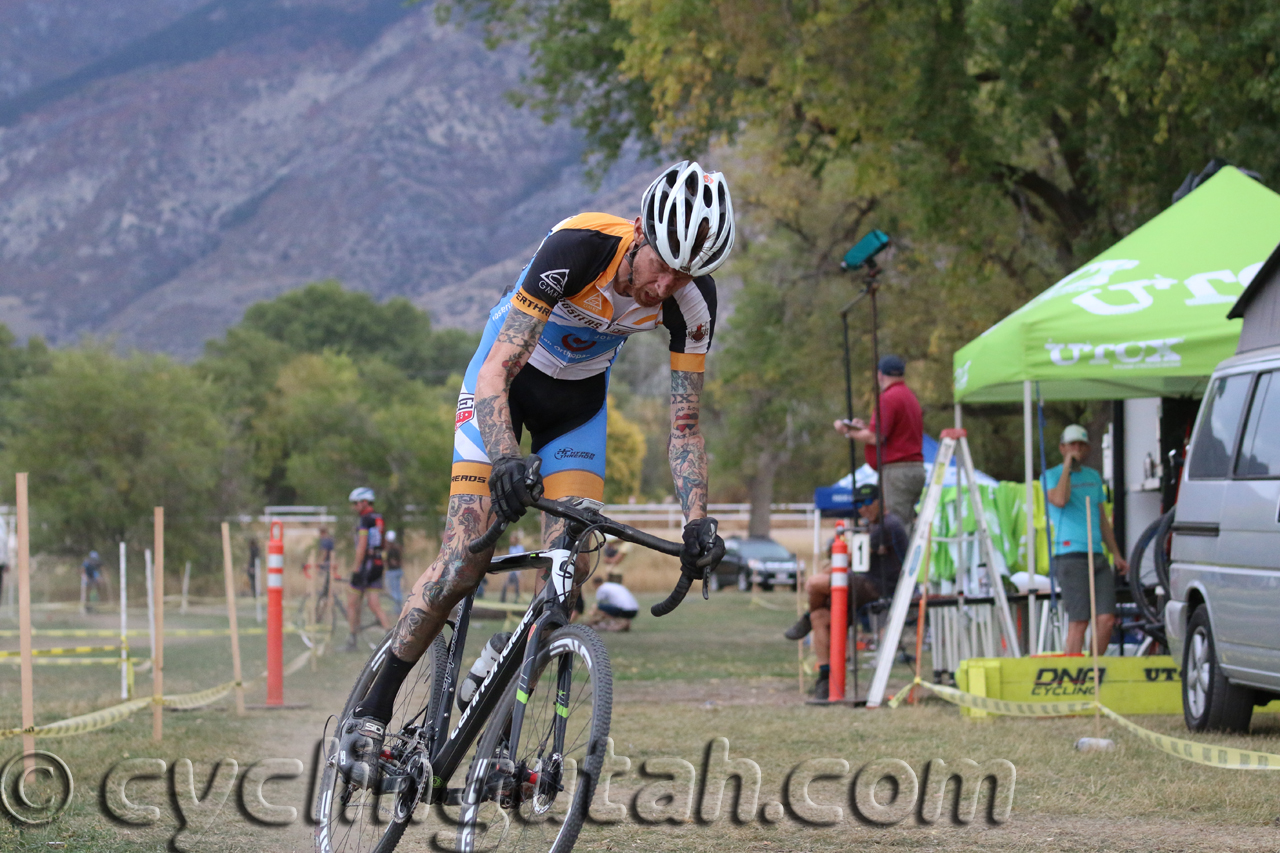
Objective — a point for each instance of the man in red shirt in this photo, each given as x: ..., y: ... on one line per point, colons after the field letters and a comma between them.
x: 903, y: 456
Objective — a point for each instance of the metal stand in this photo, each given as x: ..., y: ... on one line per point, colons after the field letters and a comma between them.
x: 872, y: 285
x: 951, y: 438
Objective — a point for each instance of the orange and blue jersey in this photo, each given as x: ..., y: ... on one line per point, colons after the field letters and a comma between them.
x: 560, y: 394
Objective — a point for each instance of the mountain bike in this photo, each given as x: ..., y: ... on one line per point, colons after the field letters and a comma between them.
x: 541, y: 717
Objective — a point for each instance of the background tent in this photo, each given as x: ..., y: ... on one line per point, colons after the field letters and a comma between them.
x: 1146, y: 318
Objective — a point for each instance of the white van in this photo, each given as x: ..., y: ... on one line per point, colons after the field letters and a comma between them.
x: 1223, y: 616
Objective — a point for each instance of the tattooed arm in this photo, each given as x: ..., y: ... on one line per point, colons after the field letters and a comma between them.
x: 685, y: 448
x: 509, y: 354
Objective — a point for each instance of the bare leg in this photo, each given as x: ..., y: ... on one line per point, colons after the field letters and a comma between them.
x: 1075, y: 636
x: 454, y: 573
x: 1106, y: 622
x: 375, y: 604
x: 819, y: 588
x: 821, y: 620
x: 353, y: 610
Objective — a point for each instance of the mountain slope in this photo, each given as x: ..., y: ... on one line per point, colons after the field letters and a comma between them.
x: 182, y: 160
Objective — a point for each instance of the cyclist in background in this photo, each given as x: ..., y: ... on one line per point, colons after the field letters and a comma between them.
x: 366, y: 572
x: 543, y: 364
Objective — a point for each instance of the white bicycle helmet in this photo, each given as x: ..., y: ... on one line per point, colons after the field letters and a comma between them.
x: 676, y: 209
x: 391, y: 536
x: 363, y: 493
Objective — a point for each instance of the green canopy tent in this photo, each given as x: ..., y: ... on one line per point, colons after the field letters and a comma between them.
x: 1146, y: 318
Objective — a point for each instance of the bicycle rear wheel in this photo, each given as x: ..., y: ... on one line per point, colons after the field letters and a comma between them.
x: 535, y: 797
x: 355, y: 820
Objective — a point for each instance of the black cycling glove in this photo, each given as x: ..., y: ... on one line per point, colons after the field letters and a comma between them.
x: 701, y: 545
x: 514, y: 484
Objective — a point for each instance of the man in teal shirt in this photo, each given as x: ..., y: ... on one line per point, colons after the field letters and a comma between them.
x: 1067, y: 519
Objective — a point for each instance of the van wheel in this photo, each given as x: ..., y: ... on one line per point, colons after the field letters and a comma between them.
x: 1209, y: 701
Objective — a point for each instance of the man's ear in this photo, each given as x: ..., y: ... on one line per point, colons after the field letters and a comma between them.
x: 638, y: 229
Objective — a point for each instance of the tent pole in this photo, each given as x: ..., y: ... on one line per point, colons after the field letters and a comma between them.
x: 1028, y: 476
x: 958, y: 423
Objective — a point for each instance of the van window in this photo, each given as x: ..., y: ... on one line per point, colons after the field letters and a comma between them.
x: 1260, y: 450
x: 1219, y: 424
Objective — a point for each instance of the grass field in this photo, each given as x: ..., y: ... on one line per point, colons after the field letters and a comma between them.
x: 712, y: 669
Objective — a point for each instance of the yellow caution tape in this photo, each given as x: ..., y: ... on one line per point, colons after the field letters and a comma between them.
x: 59, y: 661
x: 110, y: 716
x: 195, y: 700
x: 67, y: 650
x: 1213, y: 756
x: 142, y: 632
x: 84, y: 723
x: 1000, y: 706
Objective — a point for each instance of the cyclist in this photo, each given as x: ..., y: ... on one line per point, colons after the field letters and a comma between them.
x: 543, y: 364
x: 366, y: 572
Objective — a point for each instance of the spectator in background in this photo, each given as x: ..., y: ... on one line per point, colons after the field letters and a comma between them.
x: 92, y: 580
x: 903, y: 433
x: 889, y: 542
x: 252, y: 568
x: 326, y: 550
x: 1070, y: 541
x: 615, y: 605
x: 395, y: 569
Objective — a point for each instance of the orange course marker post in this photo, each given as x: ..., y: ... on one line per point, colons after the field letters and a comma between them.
x: 839, y: 614
x: 275, y: 615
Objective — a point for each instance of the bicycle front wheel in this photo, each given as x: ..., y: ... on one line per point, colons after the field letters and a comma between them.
x: 356, y: 820
x: 534, y: 795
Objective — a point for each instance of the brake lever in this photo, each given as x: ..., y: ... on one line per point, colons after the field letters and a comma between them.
x: 708, y: 542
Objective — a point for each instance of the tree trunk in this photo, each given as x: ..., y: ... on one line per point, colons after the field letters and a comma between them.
x: 767, y: 465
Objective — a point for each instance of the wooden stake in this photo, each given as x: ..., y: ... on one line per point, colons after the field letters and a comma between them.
x: 124, y: 627
x: 24, y: 621
x: 1093, y: 620
x: 186, y: 582
x: 157, y: 664
x: 228, y: 574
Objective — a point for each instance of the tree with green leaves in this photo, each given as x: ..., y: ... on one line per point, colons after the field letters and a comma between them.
x: 999, y: 144
x: 106, y: 439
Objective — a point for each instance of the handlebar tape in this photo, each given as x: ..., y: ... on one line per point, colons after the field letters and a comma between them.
x: 672, y: 601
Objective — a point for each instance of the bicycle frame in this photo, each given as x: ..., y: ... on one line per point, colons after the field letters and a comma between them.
x: 548, y: 611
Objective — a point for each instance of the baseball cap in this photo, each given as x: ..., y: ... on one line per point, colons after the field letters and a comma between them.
x: 892, y: 365
x: 1075, y: 432
x: 866, y: 493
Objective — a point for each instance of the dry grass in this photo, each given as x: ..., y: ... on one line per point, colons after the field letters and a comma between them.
x: 717, y: 668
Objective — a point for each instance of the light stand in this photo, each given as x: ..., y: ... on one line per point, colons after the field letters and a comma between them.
x: 869, y: 290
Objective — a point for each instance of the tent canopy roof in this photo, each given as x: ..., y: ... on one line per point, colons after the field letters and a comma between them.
x: 1146, y: 318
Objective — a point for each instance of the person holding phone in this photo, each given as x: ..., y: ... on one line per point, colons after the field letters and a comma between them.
x: 1072, y: 482
x: 903, y: 434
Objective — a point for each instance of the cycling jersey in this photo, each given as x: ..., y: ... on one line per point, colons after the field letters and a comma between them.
x: 560, y: 394
x: 569, y: 283
x: 369, y: 574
